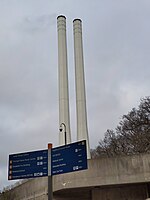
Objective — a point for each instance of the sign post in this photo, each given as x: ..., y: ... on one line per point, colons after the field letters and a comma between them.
x: 50, y: 180
x: 63, y: 159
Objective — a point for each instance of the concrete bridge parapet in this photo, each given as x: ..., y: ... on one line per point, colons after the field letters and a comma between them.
x: 107, y: 171
x: 124, y: 177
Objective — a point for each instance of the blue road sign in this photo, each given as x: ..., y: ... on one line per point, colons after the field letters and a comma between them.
x: 69, y: 158
x: 64, y: 159
x: 28, y: 165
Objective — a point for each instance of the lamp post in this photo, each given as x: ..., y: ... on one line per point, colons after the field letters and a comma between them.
x: 65, y: 134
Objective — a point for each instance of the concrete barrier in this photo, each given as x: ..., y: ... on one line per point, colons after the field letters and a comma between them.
x: 108, y: 171
x: 124, y: 178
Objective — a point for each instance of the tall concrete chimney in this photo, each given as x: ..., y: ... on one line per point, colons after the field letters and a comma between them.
x: 64, y: 116
x: 82, y: 129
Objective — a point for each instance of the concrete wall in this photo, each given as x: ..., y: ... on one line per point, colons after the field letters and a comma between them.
x: 107, y: 171
x: 34, y: 189
x: 122, y: 178
x: 130, y: 192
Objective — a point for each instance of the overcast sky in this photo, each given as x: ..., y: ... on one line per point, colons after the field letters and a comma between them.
x: 117, y: 72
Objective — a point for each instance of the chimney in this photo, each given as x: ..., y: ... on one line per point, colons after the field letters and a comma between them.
x: 64, y: 115
x: 82, y: 129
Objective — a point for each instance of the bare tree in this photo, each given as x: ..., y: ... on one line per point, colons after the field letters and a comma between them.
x: 132, y: 135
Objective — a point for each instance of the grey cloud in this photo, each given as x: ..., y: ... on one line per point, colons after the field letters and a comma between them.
x: 36, y: 24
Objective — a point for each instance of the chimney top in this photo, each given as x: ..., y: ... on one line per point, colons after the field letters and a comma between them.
x: 77, y: 20
x: 61, y: 16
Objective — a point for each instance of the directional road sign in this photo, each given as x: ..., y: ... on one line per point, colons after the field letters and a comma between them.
x: 28, y: 165
x: 69, y: 158
x: 63, y: 159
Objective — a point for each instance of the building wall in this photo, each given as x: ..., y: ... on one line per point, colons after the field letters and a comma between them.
x: 107, y: 171
x: 128, y: 192
x: 34, y: 189
x: 121, y: 178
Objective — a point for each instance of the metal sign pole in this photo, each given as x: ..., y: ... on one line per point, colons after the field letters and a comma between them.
x: 50, y: 188
x: 50, y: 180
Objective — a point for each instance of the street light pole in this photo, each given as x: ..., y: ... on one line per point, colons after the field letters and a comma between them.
x: 65, y: 133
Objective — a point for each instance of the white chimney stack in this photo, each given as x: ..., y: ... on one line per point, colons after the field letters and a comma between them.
x: 64, y: 116
x: 82, y: 129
